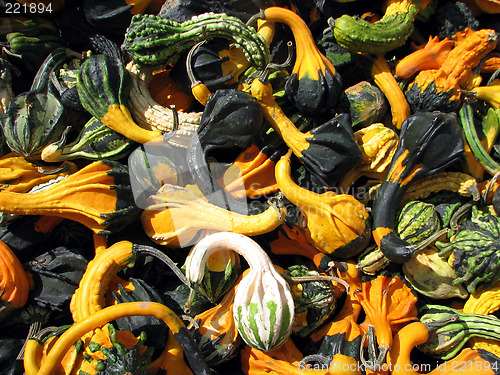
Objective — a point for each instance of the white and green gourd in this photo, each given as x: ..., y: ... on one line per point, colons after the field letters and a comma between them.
x: 263, y: 303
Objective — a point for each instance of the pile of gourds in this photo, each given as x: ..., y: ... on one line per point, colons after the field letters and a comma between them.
x: 263, y: 187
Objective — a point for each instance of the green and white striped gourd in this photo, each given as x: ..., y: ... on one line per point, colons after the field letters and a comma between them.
x: 156, y: 42
x: 263, y: 303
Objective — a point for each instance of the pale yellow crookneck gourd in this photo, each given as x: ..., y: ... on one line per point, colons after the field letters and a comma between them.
x: 336, y: 223
x: 178, y: 217
x: 263, y: 304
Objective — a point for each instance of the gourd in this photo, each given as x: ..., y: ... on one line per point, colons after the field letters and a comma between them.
x: 315, y: 298
x: 327, y: 151
x: 336, y: 224
x: 178, y: 217
x: 95, y: 141
x: 431, y: 275
x: 438, y: 89
x: 108, y: 314
x: 118, y: 359
x: 152, y: 167
x: 480, y: 146
x: 342, y: 334
x: 372, y: 260
x: 204, y: 70
x: 216, y: 333
x: 417, y: 221
x: 96, y: 76
x: 166, y: 92
x: 28, y: 128
x: 97, y: 196
x: 32, y: 45
x: 429, y: 56
x: 385, y: 80
x: 251, y: 174
x: 365, y: 103
x: 263, y: 304
x: 90, y: 296
x: 388, y: 304
x: 153, y: 116
x: 474, y: 250
x: 14, y: 284
x: 157, y: 42
x: 380, y: 37
x: 314, y: 86
x: 450, y: 329
x: 416, y: 156
x: 378, y: 144
x: 37, y: 117
x: 483, y: 301
x: 19, y: 175
x: 409, y: 337
x: 488, y: 93
x: 221, y: 275
x: 231, y: 122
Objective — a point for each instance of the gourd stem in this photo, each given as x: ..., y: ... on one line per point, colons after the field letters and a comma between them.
x: 264, y: 76
x: 175, y: 126
x: 494, y: 76
x: 490, y: 185
x: 301, y: 279
x: 458, y: 214
x: 429, y: 240
x: 260, y: 15
x: 34, y: 329
x: 164, y: 258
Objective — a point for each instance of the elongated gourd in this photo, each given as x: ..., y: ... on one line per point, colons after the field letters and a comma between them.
x: 429, y: 141
x: 385, y: 80
x: 263, y: 303
x: 102, y: 317
x: 380, y: 37
x: 439, y: 89
x: 103, y: 86
x: 179, y: 217
x: 157, y: 42
x: 97, y: 196
x: 314, y: 86
x: 318, y: 149
x: 336, y: 223
x: 429, y: 56
x: 151, y: 115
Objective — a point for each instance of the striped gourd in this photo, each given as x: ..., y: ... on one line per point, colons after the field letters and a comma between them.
x: 450, y: 329
x: 103, y: 86
x: 155, y: 41
x: 95, y: 142
x: 417, y: 221
x: 263, y: 303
